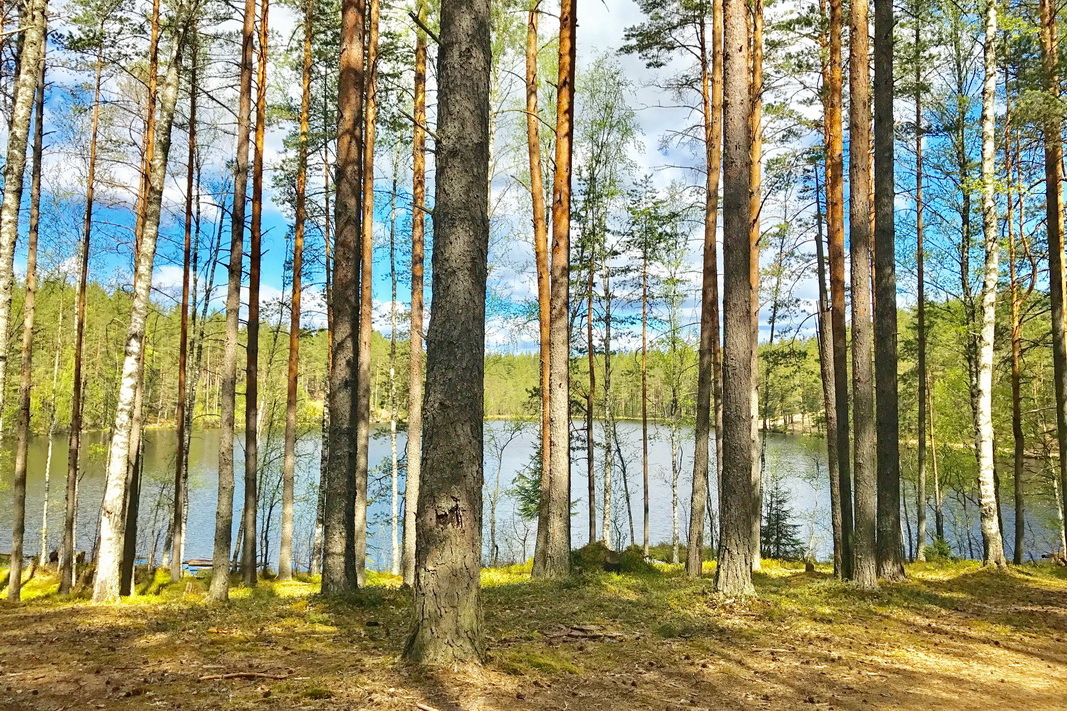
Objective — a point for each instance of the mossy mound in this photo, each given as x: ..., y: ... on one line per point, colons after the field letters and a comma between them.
x: 597, y: 557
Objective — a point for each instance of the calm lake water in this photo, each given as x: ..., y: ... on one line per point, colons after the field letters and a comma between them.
x: 797, y: 461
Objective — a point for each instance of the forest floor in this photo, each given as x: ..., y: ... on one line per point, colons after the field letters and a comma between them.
x: 952, y: 636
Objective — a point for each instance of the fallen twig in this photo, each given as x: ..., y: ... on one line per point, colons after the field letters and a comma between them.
x: 243, y: 675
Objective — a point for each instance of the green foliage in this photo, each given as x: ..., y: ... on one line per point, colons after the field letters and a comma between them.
x: 939, y: 551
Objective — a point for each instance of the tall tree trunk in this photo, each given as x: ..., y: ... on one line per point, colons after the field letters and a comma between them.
x: 448, y: 616
x: 734, y: 573
x: 66, y: 553
x: 285, y: 553
x: 42, y: 551
x: 540, y: 233
x: 864, y: 570
x: 709, y: 383
x: 939, y: 514
x: 177, y: 526
x: 112, y: 525
x: 338, y: 562
x: 366, y: 295
x: 835, y: 237
x: 826, y: 368
x: 889, y: 546
x: 555, y: 559
x: 1054, y: 224
x: 589, y: 395
x: 18, y: 528
x: 754, y: 207
x: 920, y: 313
x: 220, y: 569
x: 394, y: 519
x: 993, y: 546
x: 33, y: 21
x: 646, y: 532
x: 418, y: 226
x: 255, y: 259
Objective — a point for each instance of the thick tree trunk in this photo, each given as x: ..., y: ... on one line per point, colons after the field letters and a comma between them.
x: 448, y: 616
x: 864, y: 570
x: 33, y: 19
x: 993, y: 546
x: 66, y: 553
x: 555, y: 560
x: 255, y: 260
x: 835, y: 234
x: 18, y: 528
x: 1054, y: 222
x: 366, y: 296
x: 338, y: 562
x: 285, y: 552
x: 220, y: 570
x: 418, y: 226
x: 734, y: 573
x: 709, y: 384
x: 112, y: 525
x: 754, y: 207
x: 889, y: 546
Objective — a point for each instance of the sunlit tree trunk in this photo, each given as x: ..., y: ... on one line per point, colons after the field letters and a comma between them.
x: 394, y: 514
x: 67, y: 553
x: 220, y: 570
x: 22, y: 432
x: 112, y: 525
x: 366, y: 295
x: 993, y: 546
x: 755, y: 205
x: 554, y: 560
x: 418, y: 227
x: 864, y: 570
x: 709, y: 383
x: 177, y: 526
x: 590, y: 352
x: 255, y: 259
x: 34, y: 21
x: 540, y: 234
x: 835, y: 238
x: 285, y: 552
x: 920, y: 313
x: 1054, y: 222
x: 42, y: 551
x: 447, y: 593
x: 734, y: 573
x: 338, y: 563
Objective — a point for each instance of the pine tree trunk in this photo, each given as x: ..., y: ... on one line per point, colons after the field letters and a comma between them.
x: 177, y: 526
x: 338, y: 563
x: 864, y: 570
x: 366, y: 296
x: 285, y: 552
x: 220, y: 569
x: 448, y: 616
x: 42, y: 551
x: 590, y: 352
x: 1054, y: 221
x: 755, y: 205
x: 889, y: 546
x: 556, y: 558
x: 993, y: 546
x: 255, y: 259
x: 920, y: 314
x: 18, y: 528
x: 112, y: 525
x: 67, y: 549
x: 644, y: 406
x: 418, y: 221
x: 835, y: 234
x: 734, y: 573
x: 394, y: 514
x: 540, y: 234
x: 709, y: 385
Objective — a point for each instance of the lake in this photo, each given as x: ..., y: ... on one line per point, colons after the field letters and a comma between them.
x: 798, y: 462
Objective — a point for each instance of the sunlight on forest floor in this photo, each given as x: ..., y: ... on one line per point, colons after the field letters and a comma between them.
x: 953, y: 636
